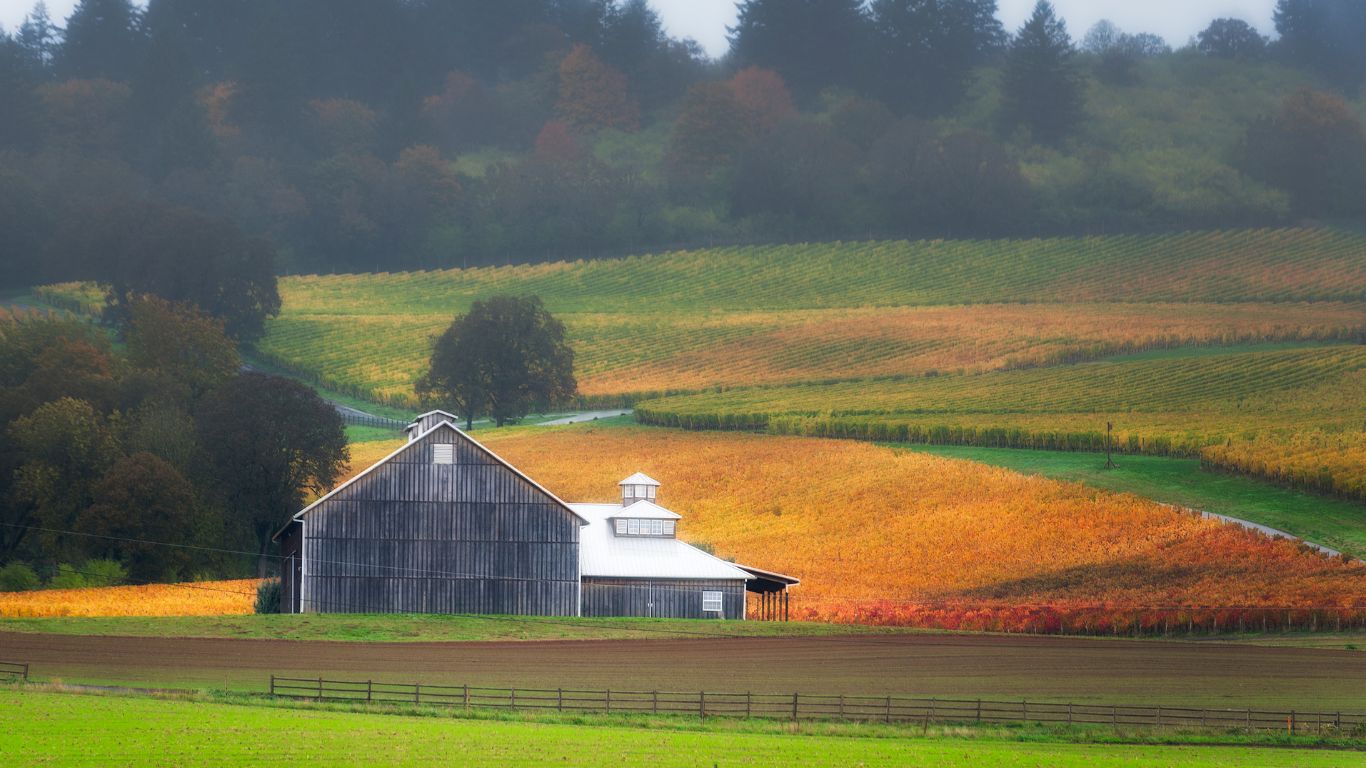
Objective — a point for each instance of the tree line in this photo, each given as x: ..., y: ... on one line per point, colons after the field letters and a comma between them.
x: 324, y: 135
x: 112, y: 452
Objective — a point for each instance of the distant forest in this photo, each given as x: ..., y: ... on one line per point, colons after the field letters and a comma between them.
x: 359, y: 135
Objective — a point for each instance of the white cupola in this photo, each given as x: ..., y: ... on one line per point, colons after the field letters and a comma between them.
x: 638, y: 487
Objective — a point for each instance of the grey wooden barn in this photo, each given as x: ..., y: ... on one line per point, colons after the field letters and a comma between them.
x: 443, y: 525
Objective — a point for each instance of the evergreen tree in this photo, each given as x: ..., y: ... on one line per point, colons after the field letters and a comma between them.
x: 38, y: 37
x: 1328, y: 36
x: 927, y: 49
x: 1041, y: 89
x: 104, y: 38
x: 811, y: 43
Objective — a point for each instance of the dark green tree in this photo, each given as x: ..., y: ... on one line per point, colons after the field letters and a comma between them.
x: 1314, y: 147
x: 104, y: 38
x: 811, y: 43
x: 1231, y: 39
x: 927, y: 49
x: 1328, y: 36
x: 141, y: 503
x: 1041, y: 89
x: 271, y: 443
x: 504, y: 357
x: 39, y: 38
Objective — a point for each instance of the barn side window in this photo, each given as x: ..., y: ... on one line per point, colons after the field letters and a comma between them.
x: 668, y: 528
x: 621, y: 527
x: 711, y: 602
x: 443, y: 453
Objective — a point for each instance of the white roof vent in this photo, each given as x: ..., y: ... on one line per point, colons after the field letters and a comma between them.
x: 638, y: 487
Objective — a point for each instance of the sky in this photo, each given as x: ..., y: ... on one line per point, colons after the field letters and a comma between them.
x: 706, y: 20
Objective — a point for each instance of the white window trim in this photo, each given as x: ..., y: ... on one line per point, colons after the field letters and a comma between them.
x: 443, y: 453
x: 715, y: 599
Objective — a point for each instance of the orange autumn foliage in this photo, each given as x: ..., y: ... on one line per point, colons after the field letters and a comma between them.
x: 593, y: 95
x: 893, y: 537
x: 208, y: 598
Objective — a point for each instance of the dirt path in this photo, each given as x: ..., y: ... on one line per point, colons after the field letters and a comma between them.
x: 1117, y: 671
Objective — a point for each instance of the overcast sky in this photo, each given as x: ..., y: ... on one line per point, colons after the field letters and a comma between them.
x: 706, y: 20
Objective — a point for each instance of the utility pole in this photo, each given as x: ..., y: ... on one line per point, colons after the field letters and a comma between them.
x: 1109, y: 460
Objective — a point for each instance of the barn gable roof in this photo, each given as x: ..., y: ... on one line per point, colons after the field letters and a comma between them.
x: 417, y: 441
x: 605, y: 555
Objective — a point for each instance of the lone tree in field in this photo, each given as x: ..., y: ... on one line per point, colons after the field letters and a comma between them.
x: 504, y: 357
x: 271, y: 442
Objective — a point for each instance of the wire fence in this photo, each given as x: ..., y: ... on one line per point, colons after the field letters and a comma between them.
x: 14, y: 670
x: 805, y: 706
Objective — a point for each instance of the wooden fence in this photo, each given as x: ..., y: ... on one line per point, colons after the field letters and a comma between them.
x: 14, y: 669
x: 367, y: 420
x: 805, y: 706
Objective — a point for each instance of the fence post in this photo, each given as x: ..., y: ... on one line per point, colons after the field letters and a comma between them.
x: 749, y: 704
x: 1069, y: 713
x: 26, y: 671
x: 794, y: 707
x: 929, y: 714
x: 417, y: 693
x: 841, y: 706
x: 320, y: 689
x: 466, y: 689
x: 1292, y: 722
x: 979, y: 710
x: 559, y: 699
x: 1024, y: 710
x: 1114, y: 715
x: 369, y: 691
x: 1159, y: 714
x: 512, y: 704
x: 609, y: 699
x: 272, y: 682
x: 702, y: 705
x: 888, y: 711
x: 654, y: 699
x: 1248, y: 714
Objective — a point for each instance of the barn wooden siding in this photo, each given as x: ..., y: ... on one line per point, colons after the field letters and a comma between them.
x: 416, y: 537
x: 662, y: 598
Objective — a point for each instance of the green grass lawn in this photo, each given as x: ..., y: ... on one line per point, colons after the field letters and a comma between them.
x: 424, y: 628
x: 58, y: 729
x: 1336, y: 523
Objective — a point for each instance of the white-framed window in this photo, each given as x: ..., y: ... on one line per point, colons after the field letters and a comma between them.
x: 443, y: 453
x: 633, y: 527
x: 649, y: 491
x: 711, y: 602
x: 656, y: 527
x: 621, y: 527
x: 668, y: 528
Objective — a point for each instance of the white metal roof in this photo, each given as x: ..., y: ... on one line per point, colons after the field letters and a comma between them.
x: 639, y: 478
x: 603, y: 553
x: 300, y: 514
x: 643, y: 510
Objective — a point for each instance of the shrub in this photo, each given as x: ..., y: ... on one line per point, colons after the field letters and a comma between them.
x: 268, y: 596
x: 93, y: 573
x: 17, y: 577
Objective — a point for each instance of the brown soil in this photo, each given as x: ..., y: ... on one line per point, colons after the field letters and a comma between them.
x: 943, y: 665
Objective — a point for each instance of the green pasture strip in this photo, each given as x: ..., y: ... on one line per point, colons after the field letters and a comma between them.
x: 359, y: 403
x: 48, y: 728
x: 1336, y: 523
x: 429, y: 628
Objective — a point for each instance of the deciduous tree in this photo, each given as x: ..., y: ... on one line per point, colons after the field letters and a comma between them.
x: 1231, y: 39
x: 271, y: 443
x: 594, y: 95
x: 504, y: 357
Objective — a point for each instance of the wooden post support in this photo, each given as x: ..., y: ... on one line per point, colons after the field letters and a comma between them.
x: 1159, y: 714
x: 513, y: 699
x: 979, y: 710
x: 654, y: 702
x: 1024, y: 710
x: 1292, y: 722
x: 794, y: 707
x: 749, y: 704
x: 702, y: 705
x: 417, y: 693
x: 1069, y: 713
x: 888, y: 710
x: 1248, y: 714
x: 559, y: 699
x: 841, y: 706
x: 272, y: 684
x: 369, y: 691
x: 609, y: 699
x: 320, y: 689
x: 466, y: 691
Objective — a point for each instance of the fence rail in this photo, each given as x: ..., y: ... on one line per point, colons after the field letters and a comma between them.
x: 367, y: 420
x: 17, y: 669
x: 805, y: 706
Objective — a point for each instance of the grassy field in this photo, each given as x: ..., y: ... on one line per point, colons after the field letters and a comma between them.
x: 1337, y: 523
x: 426, y: 628
x: 137, y: 731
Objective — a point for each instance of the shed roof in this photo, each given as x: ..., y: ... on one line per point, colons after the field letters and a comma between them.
x: 604, y: 554
x: 643, y: 510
